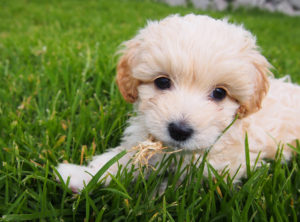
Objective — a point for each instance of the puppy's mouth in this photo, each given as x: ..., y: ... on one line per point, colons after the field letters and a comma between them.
x: 172, y: 145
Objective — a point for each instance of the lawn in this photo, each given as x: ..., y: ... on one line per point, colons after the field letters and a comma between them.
x: 59, y: 102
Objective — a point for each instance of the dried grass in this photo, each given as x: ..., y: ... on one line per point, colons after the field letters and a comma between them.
x: 147, y: 149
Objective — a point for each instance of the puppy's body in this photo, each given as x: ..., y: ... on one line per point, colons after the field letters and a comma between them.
x: 189, y: 77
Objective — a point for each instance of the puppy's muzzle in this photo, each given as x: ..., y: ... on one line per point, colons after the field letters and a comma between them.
x: 180, y: 131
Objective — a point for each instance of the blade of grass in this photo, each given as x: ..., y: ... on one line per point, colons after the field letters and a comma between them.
x: 118, y: 192
x: 247, y: 156
x: 98, y: 175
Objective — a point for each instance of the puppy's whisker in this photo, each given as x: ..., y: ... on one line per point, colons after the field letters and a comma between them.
x: 152, y: 102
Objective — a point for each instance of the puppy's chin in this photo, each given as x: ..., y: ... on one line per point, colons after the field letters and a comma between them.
x: 187, y: 146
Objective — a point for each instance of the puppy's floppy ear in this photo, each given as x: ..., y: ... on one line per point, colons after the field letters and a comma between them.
x: 261, y: 86
x: 126, y: 82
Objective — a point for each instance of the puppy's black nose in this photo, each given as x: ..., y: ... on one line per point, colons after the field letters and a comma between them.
x: 180, y: 131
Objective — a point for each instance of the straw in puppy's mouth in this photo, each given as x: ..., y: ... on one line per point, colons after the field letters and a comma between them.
x: 147, y: 149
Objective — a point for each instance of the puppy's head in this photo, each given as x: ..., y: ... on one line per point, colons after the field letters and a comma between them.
x: 190, y: 76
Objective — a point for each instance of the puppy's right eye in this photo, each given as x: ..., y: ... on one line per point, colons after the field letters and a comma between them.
x: 162, y: 83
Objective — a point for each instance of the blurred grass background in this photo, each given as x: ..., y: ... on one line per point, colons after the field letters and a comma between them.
x: 58, y: 96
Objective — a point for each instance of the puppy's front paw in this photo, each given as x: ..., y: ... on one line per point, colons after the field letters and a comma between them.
x: 79, y: 175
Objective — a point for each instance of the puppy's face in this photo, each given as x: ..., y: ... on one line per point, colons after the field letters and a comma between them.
x: 190, y: 76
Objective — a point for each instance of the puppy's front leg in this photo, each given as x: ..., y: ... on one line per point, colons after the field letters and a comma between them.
x: 81, y: 175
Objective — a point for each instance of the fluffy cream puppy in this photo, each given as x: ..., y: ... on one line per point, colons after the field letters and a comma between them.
x: 188, y: 78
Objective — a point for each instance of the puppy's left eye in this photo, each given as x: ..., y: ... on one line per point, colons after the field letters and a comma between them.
x: 162, y: 83
x: 218, y: 94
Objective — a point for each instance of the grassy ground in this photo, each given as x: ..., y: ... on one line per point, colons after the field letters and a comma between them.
x: 58, y: 97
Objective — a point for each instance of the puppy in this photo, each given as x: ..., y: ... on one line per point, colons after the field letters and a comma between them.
x: 189, y: 77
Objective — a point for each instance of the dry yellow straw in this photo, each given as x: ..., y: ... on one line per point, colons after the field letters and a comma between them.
x: 147, y: 149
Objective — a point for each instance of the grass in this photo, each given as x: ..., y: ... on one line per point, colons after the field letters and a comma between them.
x: 58, y: 97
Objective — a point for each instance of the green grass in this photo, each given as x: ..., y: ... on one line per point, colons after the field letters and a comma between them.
x: 58, y: 96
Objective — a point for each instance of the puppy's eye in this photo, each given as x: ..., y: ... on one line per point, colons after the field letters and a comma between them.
x: 218, y: 94
x: 162, y: 83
